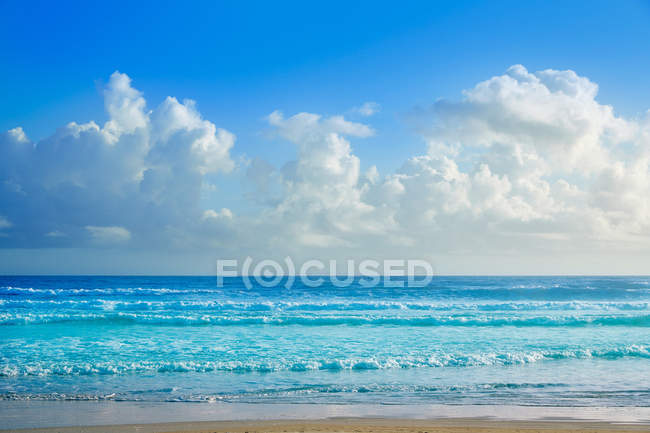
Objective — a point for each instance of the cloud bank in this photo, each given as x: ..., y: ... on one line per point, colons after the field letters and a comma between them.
x: 522, y: 164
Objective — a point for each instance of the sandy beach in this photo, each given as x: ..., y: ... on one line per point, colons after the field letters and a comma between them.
x: 354, y: 425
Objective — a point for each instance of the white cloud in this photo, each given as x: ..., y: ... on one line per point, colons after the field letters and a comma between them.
x: 549, y: 161
x: 550, y: 116
x: 18, y: 134
x: 125, y: 106
x: 305, y: 127
x: 320, y: 190
x: 212, y: 214
x: 524, y: 163
x: 109, y: 234
x: 141, y: 173
x: 175, y: 123
x: 55, y: 234
x: 368, y: 109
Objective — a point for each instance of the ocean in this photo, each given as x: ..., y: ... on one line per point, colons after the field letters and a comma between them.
x: 526, y: 341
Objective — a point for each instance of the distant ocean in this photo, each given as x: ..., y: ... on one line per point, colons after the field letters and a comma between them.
x: 539, y: 341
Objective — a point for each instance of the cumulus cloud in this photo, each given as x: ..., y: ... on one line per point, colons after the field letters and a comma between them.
x: 140, y: 173
x: 522, y: 163
x: 320, y: 201
x: 125, y: 106
x: 548, y: 118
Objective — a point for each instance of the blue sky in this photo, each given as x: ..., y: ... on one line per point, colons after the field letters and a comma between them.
x: 240, y: 62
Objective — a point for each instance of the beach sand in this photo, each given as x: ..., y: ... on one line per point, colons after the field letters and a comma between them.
x: 355, y: 425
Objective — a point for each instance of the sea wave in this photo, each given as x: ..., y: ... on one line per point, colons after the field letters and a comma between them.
x: 503, y: 289
x: 183, y: 319
x: 303, y: 365
x: 316, y: 306
x: 173, y: 394
x: 49, y: 292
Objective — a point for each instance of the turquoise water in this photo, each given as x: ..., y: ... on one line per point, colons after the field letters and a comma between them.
x: 570, y: 341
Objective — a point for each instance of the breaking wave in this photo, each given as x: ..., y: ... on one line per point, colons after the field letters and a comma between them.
x: 360, y: 364
x: 12, y: 318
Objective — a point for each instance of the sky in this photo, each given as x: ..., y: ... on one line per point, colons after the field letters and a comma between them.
x: 485, y: 137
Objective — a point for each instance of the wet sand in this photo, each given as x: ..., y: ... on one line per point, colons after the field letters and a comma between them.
x: 355, y: 425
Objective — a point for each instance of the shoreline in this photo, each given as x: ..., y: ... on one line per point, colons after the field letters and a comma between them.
x: 354, y: 425
x: 119, y: 417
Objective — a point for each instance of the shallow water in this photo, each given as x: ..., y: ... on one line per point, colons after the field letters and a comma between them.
x: 541, y: 341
